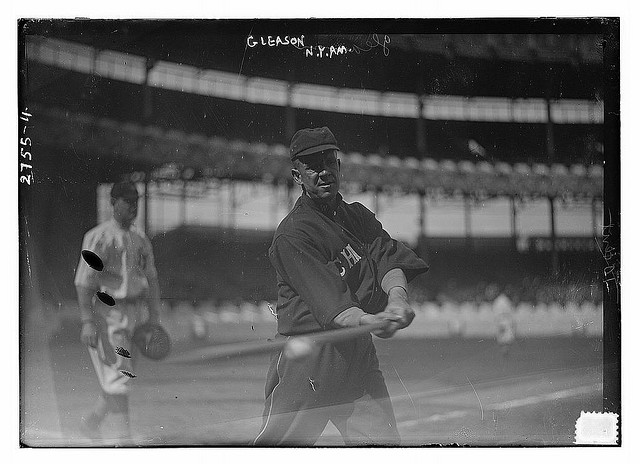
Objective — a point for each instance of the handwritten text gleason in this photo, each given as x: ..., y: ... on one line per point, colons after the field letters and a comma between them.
x: 276, y: 41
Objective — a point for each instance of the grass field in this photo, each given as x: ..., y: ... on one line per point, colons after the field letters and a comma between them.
x: 463, y: 391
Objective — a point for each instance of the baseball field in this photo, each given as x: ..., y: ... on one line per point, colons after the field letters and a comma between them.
x: 466, y: 391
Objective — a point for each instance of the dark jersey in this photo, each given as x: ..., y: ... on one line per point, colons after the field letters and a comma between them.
x: 329, y: 260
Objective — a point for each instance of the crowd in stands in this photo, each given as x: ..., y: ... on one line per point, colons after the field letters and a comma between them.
x: 498, y: 298
x: 532, y: 290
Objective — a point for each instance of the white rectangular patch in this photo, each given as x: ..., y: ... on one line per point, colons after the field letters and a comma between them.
x: 597, y: 428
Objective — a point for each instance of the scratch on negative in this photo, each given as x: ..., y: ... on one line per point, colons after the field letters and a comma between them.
x: 405, y: 389
x: 28, y: 265
x: 243, y: 55
x: 27, y: 251
x: 273, y: 311
x: 479, y: 402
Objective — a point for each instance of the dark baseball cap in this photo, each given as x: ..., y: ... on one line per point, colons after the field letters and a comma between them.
x: 124, y: 190
x: 309, y: 141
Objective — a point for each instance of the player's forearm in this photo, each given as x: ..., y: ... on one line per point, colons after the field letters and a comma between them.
x: 85, y: 303
x: 394, y: 283
x: 348, y: 318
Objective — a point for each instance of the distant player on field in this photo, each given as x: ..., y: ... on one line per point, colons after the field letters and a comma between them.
x: 336, y: 267
x: 129, y: 277
x: 506, y: 329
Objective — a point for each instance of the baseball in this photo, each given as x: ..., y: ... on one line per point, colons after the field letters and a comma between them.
x: 298, y: 348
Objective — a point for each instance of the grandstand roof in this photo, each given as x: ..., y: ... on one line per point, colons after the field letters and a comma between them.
x: 526, y: 59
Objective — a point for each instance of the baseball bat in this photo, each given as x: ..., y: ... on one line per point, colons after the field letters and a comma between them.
x: 245, y: 348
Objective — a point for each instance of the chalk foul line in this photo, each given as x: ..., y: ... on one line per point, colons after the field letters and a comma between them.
x: 507, y: 405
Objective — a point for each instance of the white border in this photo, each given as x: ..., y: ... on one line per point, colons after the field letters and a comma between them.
x: 324, y: 9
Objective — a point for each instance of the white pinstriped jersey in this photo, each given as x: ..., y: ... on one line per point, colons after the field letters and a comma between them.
x: 127, y: 257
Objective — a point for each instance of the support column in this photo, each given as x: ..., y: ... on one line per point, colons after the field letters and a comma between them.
x: 467, y: 217
x: 421, y: 139
x: 147, y: 113
x: 183, y: 203
x: 275, y: 204
x: 145, y: 203
x: 376, y: 203
x: 232, y: 203
x: 554, y: 251
x: 514, y: 220
x: 289, y: 193
x: 422, y: 214
x: 161, y: 198
x: 290, y: 113
x: 220, y: 193
x: 147, y: 97
x: 594, y: 217
x: 549, y: 134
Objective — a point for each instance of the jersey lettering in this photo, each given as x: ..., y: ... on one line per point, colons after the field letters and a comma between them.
x: 350, y: 255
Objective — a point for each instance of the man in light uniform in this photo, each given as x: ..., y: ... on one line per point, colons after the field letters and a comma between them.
x: 506, y: 329
x: 129, y: 277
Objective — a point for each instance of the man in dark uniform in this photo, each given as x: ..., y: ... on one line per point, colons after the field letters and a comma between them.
x: 336, y: 267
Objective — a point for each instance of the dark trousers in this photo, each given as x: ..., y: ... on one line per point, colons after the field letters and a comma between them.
x: 341, y: 383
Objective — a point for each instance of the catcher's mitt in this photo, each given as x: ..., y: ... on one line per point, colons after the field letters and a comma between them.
x: 152, y: 341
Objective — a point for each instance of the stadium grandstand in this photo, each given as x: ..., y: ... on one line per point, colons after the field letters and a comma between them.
x: 483, y: 151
